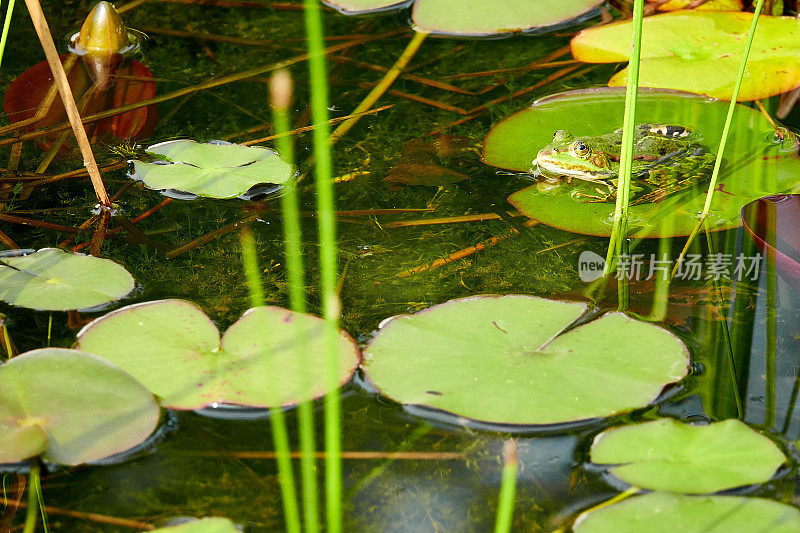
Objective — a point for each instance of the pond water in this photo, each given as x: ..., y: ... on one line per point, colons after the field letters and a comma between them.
x: 207, y: 466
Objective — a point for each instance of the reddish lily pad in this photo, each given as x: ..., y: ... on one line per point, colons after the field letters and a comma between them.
x: 701, y: 52
x: 71, y: 407
x: 773, y: 222
x: 26, y: 93
x: 175, y: 350
x: 756, y: 164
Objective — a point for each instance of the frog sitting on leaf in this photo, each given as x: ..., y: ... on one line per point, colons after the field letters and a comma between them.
x: 666, y: 159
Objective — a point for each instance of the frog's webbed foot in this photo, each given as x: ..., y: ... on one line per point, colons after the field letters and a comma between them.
x: 601, y: 197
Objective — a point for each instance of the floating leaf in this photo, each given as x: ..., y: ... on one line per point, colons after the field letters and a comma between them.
x: 668, y: 455
x: 174, y: 349
x: 773, y: 222
x: 478, y: 18
x: 204, y: 525
x: 70, y: 406
x: 215, y: 170
x: 709, y: 5
x: 659, y: 512
x: 701, y: 52
x: 53, y: 280
x: 507, y: 359
x: 755, y: 164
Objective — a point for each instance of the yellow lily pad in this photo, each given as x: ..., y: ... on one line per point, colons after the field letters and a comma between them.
x: 700, y: 52
x: 710, y: 5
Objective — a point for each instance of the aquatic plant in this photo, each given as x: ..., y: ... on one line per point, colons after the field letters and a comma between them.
x: 175, y: 350
x: 772, y: 221
x: 475, y: 18
x: 70, y: 407
x: 53, y: 280
x: 522, y: 360
x: 216, y: 170
x: 672, y: 456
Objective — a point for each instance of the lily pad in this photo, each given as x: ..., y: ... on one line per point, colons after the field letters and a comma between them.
x: 175, y: 350
x: 71, y: 407
x: 668, y: 455
x: 204, y: 525
x: 478, y: 18
x: 659, y: 512
x: 700, y: 51
x: 508, y: 360
x: 709, y: 5
x: 755, y: 163
x: 53, y: 280
x: 214, y: 170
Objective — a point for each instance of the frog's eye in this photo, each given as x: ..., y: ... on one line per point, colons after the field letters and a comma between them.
x: 580, y: 148
x: 561, y: 136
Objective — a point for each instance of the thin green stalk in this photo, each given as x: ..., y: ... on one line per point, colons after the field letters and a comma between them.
x: 281, y: 97
x: 725, y: 130
x: 772, y: 337
x: 280, y: 434
x: 508, y: 488
x: 323, y: 171
x: 33, y: 498
x: 6, y: 26
x: 620, y: 230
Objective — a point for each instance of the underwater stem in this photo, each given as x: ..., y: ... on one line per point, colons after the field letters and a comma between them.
x: 508, y: 488
x: 6, y: 26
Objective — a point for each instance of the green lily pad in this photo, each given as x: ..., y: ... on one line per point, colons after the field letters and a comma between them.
x: 668, y: 455
x: 174, y: 349
x: 755, y: 165
x: 508, y: 360
x: 659, y: 512
x: 53, y: 280
x: 204, y: 525
x: 71, y: 407
x: 214, y: 170
x: 478, y: 18
x: 701, y: 52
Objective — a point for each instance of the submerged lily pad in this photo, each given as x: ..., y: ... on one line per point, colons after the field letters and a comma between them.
x: 53, y: 280
x: 175, y: 350
x: 214, y: 170
x: 755, y: 164
x: 660, y: 512
x: 772, y: 222
x: 701, y: 52
x: 508, y: 360
x: 668, y: 455
x: 478, y: 18
x: 71, y: 407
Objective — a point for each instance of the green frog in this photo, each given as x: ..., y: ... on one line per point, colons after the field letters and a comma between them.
x: 666, y: 159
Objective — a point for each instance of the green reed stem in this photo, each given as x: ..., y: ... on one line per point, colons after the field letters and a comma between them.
x: 34, y: 500
x: 508, y: 488
x: 620, y: 230
x: 725, y: 130
x: 323, y: 171
x: 281, y: 97
x: 280, y: 434
x: 771, y: 338
x: 6, y: 26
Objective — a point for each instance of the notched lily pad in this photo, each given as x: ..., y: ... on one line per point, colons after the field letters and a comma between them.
x: 756, y: 163
x: 52, y: 280
x: 663, y: 512
x: 71, y: 407
x: 214, y: 170
x: 270, y: 357
x: 671, y: 456
x: 701, y: 52
x: 507, y: 360
x: 479, y: 18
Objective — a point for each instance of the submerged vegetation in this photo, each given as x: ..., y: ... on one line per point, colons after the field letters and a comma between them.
x: 426, y: 323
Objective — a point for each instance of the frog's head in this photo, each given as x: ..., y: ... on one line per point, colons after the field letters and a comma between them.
x: 579, y: 157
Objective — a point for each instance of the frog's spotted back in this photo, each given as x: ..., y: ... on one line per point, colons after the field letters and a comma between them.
x: 667, y: 130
